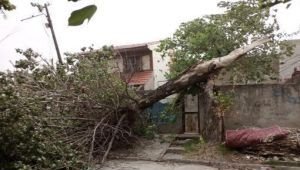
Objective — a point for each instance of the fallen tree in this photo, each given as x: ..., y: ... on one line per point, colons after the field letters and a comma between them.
x: 201, y: 73
x: 197, y: 73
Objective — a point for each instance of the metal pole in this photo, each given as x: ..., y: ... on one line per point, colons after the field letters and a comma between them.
x: 53, y: 35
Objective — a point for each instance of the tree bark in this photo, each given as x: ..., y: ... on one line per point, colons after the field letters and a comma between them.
x: 212, y: 124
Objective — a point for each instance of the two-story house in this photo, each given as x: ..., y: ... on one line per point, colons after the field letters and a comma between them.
x: 141, y: 66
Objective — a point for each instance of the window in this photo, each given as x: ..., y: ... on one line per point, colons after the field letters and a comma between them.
x: 132, y: 64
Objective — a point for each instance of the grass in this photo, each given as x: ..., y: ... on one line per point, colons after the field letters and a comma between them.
x: 193, y: 144
x: 167, y: 138
x: 224, y: 150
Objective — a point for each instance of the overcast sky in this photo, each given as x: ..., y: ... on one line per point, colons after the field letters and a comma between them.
x: 116, y: 22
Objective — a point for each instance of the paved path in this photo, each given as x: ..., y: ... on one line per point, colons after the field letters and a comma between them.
x: 148, y: 165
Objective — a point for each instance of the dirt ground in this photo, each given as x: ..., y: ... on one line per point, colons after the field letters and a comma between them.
x: 217, y: 152
x: 155, y: 150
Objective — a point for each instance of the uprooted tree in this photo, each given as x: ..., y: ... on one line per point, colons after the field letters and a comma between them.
x: 63, y: 116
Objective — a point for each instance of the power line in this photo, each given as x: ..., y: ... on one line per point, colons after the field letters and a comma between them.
x: 8, y: 35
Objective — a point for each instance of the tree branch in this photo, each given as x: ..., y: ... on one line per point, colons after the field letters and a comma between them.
x: 199, y: 72
x: 113, y: 138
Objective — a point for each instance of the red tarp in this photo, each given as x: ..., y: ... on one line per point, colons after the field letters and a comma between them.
x: 251, y: 136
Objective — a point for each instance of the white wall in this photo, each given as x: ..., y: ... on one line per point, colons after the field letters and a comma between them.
x: 160, y: 66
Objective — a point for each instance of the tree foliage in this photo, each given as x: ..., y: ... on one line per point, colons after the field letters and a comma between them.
x: 6, y: 5
x: 215, y: 35
x: 79, y: 16
x: 60, y: 116
x: 271, y: 3
x: 28, y: 140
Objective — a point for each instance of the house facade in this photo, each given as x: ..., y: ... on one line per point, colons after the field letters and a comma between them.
x: 142, y: 66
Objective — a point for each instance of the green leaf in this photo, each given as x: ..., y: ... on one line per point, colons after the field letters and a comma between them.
x: 79, y: 16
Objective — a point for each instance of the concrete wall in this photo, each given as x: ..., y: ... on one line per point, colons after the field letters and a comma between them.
x: 261, y: 105
x: 264, y: 105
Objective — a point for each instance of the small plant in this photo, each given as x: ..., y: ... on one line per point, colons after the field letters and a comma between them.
x: 224, y: 103
x: 146, y: 131
x: 150, y: 131
x: 170, y: 112
x: 194, y: 144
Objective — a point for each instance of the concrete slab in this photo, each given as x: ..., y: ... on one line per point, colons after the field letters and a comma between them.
x: 187, y: 136
x: 148, y: 165
x: 176, y: 149
x: 152, y: 150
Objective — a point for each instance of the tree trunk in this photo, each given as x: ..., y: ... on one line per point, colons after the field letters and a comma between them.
x: 200, y: 72
x: 211, y: 122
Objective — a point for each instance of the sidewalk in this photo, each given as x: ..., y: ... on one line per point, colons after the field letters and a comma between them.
x: 157, y: 154
x: 150, y: 165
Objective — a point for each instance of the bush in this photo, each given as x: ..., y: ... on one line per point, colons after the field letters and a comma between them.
x: 61, y: 116
x: 27, y: 140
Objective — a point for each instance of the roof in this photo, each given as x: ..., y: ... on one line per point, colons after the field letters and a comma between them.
x: 139, y: 45
x: 120, y: 48
x: 140, y: 77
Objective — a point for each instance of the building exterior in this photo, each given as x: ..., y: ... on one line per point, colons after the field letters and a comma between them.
x: 142, y: 66
x: 289, y: 66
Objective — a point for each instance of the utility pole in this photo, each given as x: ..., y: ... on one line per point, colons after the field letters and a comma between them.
x: 49, y: 24
x: 53, y: 34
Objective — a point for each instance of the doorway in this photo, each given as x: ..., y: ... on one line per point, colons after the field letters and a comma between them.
x: 190, y: 116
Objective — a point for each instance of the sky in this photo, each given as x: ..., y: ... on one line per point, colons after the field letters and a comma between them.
x: 116, y: 22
